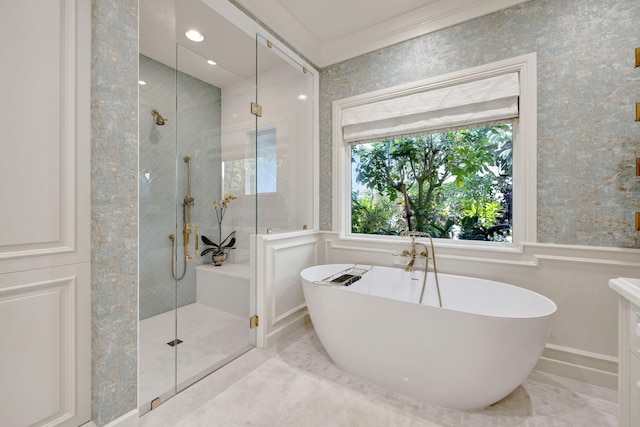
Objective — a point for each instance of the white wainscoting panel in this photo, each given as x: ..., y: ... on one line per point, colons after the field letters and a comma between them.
x: 44, y: 123
x: 43, y: 356
x: 45, y: 209
x: 281, y: 304
x: 288, y: 260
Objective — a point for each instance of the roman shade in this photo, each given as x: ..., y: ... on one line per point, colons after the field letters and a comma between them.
x: 489, y: 100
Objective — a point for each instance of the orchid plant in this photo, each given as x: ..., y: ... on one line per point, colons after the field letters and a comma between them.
x: 230, y: 240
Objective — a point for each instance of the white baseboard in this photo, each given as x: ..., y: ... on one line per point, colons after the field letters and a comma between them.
x: 130, y: 419
x: 285, y: 334
x: 589, y: 368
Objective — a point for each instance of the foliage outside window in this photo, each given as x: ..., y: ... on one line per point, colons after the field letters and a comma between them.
x: 455, y: 185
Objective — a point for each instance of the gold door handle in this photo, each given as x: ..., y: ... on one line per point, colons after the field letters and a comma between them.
x: 187, y: 234
x: 197, y: 240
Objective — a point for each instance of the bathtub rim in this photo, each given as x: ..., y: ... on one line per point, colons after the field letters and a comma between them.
x: 553, y: 308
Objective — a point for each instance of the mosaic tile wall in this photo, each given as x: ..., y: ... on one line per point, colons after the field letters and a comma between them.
x: 114, y: 207
x: 198, y: 134
x: 587, y: 89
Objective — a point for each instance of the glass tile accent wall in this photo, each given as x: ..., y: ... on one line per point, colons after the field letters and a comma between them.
x: 198, y: 134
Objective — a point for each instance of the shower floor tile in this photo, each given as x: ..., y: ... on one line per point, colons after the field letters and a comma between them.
x: 208, y: 336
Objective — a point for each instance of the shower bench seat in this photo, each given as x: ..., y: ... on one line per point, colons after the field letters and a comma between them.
x: 224, y: 287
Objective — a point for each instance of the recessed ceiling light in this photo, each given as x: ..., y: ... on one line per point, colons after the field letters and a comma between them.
x: 211, y: 62
x: 142, y: 82
x: 194, y: 35
x: 302, y: 97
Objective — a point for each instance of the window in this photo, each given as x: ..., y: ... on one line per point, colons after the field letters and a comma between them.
x: 453, y: 156
x: 266, y: 164
x: 254, y: 173
x: 455, y: 184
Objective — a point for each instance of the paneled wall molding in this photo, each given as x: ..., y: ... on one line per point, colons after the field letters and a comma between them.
x: 57, y: 232
x: 48, y: 353
x: 524, y: 255
x: 281, y: 305
x: 56, y: 299
x: 45, y: 250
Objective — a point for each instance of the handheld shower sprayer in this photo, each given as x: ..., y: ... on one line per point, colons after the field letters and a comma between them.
x: 187, y: 205
x: 187, y: 226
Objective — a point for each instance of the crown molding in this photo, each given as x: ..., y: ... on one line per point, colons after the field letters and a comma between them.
x: 287, y: 26
x: 433, y: 17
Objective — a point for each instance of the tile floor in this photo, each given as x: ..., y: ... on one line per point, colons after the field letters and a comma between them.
x: 209, y: 336
x: 542, y: 400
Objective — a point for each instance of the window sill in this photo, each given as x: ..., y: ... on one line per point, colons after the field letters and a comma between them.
x: 446, y: 245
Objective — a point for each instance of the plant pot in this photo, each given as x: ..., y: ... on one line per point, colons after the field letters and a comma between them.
x: 218, y: 258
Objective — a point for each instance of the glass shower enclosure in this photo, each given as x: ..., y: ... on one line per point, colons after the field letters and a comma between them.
x: 226, y: 152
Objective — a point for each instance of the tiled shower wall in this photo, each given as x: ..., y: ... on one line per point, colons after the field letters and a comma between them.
x: 587, y: 90
x: 197, y: 131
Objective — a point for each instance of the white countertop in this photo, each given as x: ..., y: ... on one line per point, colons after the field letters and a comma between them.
x: 628, y: 288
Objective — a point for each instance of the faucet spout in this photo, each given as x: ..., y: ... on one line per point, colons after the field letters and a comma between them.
x: 413, y: 253
x: 409, y: 266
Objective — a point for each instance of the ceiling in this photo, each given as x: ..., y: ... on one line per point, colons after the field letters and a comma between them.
x: 163, y: 24
x: 325, y: 32
x: 330, y: 31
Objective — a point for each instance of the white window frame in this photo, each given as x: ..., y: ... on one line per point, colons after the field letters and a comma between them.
x: 524, y: 148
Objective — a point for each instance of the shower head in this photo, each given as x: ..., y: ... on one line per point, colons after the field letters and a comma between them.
x: 159, y: 119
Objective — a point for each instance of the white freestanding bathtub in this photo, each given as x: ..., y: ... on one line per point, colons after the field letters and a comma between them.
x: 472, y: 352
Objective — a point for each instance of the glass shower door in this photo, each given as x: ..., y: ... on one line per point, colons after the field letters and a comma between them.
x: 215, y: 302
x: 157, y: 212
x: 214, y: 171
x: 284, y: 149
x: 194, y: 317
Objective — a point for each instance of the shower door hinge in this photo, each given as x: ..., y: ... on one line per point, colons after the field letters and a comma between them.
x: 253, y: 321
x: 256, y: 109
x: 155, y: 403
